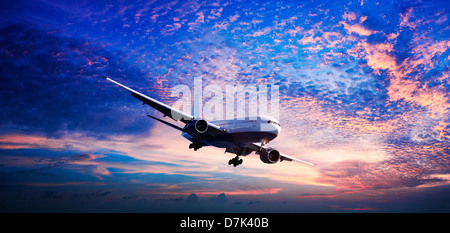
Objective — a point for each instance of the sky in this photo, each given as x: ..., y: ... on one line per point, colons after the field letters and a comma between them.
x: 364, y: 94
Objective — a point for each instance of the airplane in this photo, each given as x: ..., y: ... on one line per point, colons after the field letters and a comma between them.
x: 239, y: 137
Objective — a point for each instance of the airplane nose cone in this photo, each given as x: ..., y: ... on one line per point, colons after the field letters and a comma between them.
x: 278, y: 129
x: 272, y: 128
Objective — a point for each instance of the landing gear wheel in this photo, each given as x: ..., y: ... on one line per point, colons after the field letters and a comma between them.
x: 195, y: 145
x: 235, y: 161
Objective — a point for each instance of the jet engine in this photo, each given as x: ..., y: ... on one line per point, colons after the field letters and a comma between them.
x: 198, y: 127
x: 269, y: 156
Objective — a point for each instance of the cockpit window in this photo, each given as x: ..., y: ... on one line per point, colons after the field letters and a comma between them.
x: 273, y: 122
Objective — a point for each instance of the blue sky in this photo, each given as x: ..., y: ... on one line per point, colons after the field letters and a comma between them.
x: 363, y: 94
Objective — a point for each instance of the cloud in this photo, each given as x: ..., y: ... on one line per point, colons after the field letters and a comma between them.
x: 62, y: 89
x: 96, y: 194
x: 363, y: 208
x: 234, y: 18
x: 404, y: 18
x: 171, y: 29
x: 221, y: 198
x: 349, y: 16
x: 358, y: 29
x: 364, y: 96
x: 157, y: 157
x: 50, y: 194
x: 243, y: 192
x: 262, y: 32
x: 405, y: 82
x: 192, y: 198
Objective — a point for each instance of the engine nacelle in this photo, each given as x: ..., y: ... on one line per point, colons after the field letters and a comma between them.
x: 270, y: 156
x: 198, y: 127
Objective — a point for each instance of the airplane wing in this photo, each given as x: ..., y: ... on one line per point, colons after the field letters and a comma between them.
x: 166, y: 123
x: 163, y: 108
x: 290, y: 158
x: 283, y: 157
x: 173, y: 113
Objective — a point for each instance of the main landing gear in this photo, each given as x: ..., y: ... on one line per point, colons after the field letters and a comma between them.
x: 235, y: 161
x: 196, y: 145
x: 238, y: 151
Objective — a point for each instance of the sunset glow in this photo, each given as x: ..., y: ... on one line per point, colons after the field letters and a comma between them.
x: 363, y: 94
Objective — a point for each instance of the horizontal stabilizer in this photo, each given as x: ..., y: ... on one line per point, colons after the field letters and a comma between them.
x: 167, y: 123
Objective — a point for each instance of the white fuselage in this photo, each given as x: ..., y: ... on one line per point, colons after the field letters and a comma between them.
x: 240, y: 132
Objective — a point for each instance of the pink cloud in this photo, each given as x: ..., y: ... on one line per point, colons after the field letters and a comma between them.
x: 262, y: 32
x: 308, y: 40
x: 350, y: 16
x: 403, y: 83
x: 404, y: 18
x: 358, y: 29
x: 234, y: 18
